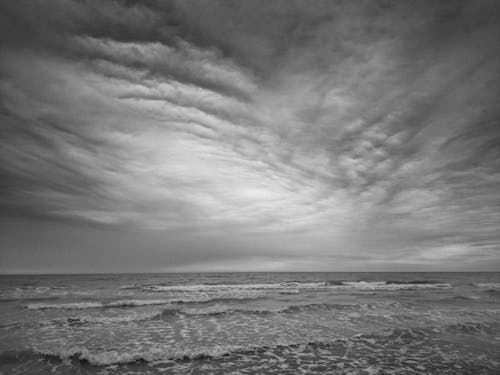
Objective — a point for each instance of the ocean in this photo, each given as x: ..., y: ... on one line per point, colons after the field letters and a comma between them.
x: 251, y: 323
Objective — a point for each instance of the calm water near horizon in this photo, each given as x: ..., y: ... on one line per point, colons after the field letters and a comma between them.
x: 247, y: 323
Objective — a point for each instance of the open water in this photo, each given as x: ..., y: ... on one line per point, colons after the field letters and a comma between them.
x: 251, y: 323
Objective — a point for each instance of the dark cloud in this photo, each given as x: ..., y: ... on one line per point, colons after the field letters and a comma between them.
x: 266, y: 135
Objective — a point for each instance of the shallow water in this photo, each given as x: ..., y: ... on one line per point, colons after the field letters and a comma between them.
x: 365, y: 323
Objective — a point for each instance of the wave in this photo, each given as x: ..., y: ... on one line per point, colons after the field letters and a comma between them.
x: 237, y: 292
x: 415, y: 333
x: 87, y: 319
x: 492, y: 292
x: 130, y: 286
x: 393, y: 285
x: 115, y: 319
x: 156, y: 354
x: 40, y: 289
x: 482, y: 328
x: 412, y: 282
x: 325, y: 306
x: 213, y: 310
x: 216, y: 309
x: 488, y: 285
x: 335, y: 282
x: 290, y: 291
x: 96, y: 305
x: 293, y: 287
x: 137, y: 302
x: 227, y: 309
x: 11, y: 356
x: 161, y: 353
x: 222, y: 287
x: 33, y: 293
x: 72, y: 306
x: 29, y: 298
x: 462, y: 298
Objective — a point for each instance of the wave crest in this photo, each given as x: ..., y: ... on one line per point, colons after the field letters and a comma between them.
x: 295, y: 286
x: 155, y: 354
x: 228, y: 287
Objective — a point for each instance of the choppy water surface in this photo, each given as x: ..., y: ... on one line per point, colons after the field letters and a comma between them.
x: 367, y: 323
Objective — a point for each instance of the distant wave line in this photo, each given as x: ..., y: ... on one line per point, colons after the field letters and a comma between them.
x: 334, y: 284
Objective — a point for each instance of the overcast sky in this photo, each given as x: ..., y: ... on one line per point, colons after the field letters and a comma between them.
x: 249, y: 135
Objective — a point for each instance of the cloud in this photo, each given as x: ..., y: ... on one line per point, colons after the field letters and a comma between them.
x: 336, y: 134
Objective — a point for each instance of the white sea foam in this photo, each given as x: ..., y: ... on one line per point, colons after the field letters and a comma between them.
x: 208, y: 292
x: 358, y: 345
x: 153, y: 354
x: 222, y: 287
x: 161, y: 353
x: 295, y: 287
x: 383, y: 285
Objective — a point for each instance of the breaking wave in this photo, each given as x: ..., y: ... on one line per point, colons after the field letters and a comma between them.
x: 412, y: 282
x: 115, y: 357
x: 238, y: 292
x: 295, y: 286
x: 393, y: 285
x: 223, y: 287
x: 401, y: 336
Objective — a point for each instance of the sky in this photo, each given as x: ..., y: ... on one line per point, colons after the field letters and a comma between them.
x: 179, y: 136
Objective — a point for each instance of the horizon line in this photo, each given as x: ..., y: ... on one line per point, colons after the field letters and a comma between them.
x: 227, y: 272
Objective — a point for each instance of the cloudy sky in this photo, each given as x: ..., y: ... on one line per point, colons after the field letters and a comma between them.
x: 249, y: 135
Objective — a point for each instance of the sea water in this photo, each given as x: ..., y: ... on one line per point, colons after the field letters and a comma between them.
x: 251, y: 323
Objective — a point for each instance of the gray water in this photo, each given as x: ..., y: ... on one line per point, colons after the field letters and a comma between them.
x: 367, y: 323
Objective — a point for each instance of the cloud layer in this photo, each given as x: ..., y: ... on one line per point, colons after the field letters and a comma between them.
x: 289, y: 135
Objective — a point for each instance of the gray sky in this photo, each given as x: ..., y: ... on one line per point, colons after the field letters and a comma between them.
x: 249, y: 135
